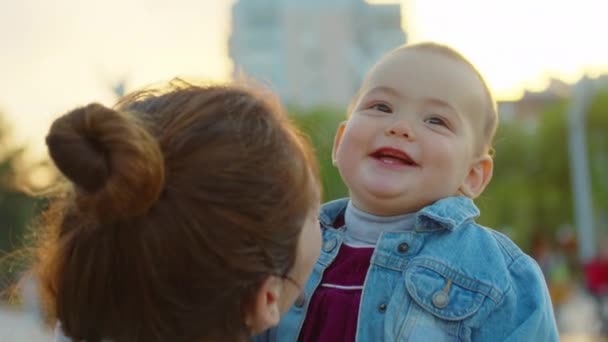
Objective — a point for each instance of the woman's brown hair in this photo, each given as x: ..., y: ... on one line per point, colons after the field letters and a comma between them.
x: 181, y: 203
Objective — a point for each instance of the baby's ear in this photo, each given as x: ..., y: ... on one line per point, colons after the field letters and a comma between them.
x: 264, y: 312
x: 337, y: 141
x: 478, y: 177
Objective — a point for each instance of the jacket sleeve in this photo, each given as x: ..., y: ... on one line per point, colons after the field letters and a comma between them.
x: 525, y: 312
x: 266, y: 336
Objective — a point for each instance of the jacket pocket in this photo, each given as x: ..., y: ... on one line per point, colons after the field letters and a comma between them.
x: 441, y: 300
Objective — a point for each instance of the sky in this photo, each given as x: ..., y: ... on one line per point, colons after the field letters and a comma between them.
x: 55, y: 55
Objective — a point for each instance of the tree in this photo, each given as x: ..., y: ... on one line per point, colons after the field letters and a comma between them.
x: 16, y: 208
x: 321, y: 125
x: 16, y: 211
x: 597, y: 140
x: 531, y: 190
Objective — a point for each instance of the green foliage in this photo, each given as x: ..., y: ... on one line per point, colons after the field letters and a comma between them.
x: 321, y: 125
x: 16, y: 210
x: 530, y: 190
x: 597, y: 128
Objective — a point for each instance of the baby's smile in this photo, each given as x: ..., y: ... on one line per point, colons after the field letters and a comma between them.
x: 393, y: 156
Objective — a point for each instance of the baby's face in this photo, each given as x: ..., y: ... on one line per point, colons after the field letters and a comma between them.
x: 413, y: 135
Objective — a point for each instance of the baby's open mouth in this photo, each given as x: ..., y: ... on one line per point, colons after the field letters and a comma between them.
x: 390, y: 155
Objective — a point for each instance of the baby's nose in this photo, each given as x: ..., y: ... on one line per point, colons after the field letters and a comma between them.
x: 400, y: 128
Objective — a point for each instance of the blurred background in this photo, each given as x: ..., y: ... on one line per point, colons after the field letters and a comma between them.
x: 546, y: 62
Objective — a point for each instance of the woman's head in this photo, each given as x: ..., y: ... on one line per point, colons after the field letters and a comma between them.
x: 188, y: 210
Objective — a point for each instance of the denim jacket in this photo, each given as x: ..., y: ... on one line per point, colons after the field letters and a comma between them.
x: 450, y: 279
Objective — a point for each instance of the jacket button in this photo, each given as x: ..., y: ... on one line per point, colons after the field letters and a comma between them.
x: 382, y: 307
x: 403, y: 247
x: 440, y: 299
x: 301, y: 300
x: 329, y: 245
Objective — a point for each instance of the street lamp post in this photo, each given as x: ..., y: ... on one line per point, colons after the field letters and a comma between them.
x: 579, y: 168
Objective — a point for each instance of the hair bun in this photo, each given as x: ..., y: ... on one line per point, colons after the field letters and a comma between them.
x: 111, y: 157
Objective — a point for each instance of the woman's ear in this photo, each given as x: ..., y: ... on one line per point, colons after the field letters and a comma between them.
x: 478, y: 177
x: 264, y: 312
x: 337, y: 140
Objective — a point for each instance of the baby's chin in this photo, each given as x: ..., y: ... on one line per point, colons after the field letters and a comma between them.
x: 383, y: 205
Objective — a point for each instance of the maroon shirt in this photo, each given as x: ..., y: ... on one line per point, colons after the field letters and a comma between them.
x: 332, y: 313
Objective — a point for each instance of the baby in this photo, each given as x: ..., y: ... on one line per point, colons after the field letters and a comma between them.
x: 402, y: 258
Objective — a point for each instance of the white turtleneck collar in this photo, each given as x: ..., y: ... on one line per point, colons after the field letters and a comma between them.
x: 363, y: 229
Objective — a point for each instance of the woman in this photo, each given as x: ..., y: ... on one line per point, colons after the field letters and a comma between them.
x: 190, y: 214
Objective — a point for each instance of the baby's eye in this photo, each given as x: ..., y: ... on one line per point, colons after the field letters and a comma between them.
x: 382, y: 107
x: 434, y: 120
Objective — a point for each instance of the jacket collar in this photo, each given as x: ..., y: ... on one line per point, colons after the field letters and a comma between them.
x: 445, y: 214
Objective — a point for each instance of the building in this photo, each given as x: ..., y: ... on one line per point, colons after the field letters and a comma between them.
x: 528, y: 110
x: 314, y: 52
